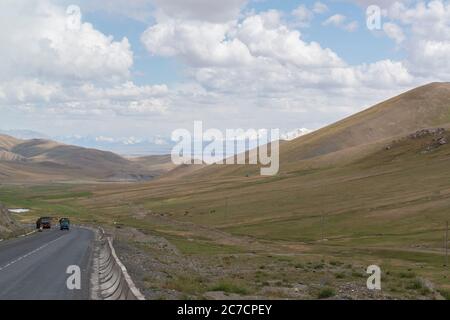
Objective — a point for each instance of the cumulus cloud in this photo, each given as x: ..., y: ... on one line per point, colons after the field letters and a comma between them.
x: 304, y: 15
x: 197, y: 42
x: 255, y: 39
x: 49, y: 56
x: 262, y: 66
x: 241, y: 67
x: 427, y: 45
x: 40, y: 40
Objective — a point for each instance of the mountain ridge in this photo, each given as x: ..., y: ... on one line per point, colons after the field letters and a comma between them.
x: 423, y: 107
x: 42, y: 159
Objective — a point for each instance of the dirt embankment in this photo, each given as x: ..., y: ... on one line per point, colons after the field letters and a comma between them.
x: 8, y: 226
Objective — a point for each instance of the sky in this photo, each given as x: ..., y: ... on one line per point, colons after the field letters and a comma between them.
x: 125, y: 70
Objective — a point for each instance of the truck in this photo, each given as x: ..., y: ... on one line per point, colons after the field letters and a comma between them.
x: 64, y: 224
x: 44, y: 223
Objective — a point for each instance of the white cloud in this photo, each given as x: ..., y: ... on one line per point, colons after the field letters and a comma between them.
x: 426, y: 40
x: 204, y: 10
x: 320, y: 8
x: 351, y: 26
x: 251, y: 41
x: 380, y: 3
x: 294, y: 134
x: 197, y: 42
x: 240, y: 68
x: 139, y: 10
x: 303, y: 16
x: 54, y: 62
x: 258, y: 66
x: 336, y: 20
x: 340, y: 21
x: 394, y: 32
x: 39, y: 40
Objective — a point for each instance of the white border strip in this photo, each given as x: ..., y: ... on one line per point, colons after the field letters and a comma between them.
x: 128, y: 279
x: 27, y: 234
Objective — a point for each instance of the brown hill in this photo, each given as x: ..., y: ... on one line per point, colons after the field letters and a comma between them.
x: 158, y: 164
x: 423, y: 107
x: 45, y: 160
x: 356, y: 136
x: 6, y: 142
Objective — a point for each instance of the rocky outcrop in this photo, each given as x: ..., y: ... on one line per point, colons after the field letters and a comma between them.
x: 439, y: 137
x: 427, y: 132
x: 428, y: 139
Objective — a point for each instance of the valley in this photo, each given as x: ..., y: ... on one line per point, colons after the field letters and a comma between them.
x: 370, y: 189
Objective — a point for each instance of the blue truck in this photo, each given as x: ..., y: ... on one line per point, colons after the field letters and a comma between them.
x: 64, y: 224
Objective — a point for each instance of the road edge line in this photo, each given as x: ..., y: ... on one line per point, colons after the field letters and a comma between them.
x: 27, y: 234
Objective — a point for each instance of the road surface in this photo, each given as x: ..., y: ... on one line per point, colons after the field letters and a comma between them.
x: 34, y: 267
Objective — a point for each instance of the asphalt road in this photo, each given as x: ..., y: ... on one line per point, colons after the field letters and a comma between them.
x: 34, y: 267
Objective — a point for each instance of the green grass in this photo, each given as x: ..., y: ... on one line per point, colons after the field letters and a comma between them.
x: 185, y: 284
x: 407, y: 275
x: 229, y: 286
x: 195, y: 246
x: 82, y: 194
x: 52, y: 200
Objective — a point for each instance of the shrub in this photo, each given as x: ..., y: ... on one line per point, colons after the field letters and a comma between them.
x: 407, y: 275
x: 326, y: 293
x: 416, y: 284
x: 445, y: 293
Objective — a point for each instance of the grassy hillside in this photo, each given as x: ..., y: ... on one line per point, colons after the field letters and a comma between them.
x: 357, y: 135
x: 427, y: 106
x: 158, y: 164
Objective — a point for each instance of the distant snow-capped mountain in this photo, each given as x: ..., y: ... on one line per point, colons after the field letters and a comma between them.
x: 294, y: 134
x: 128, y: 146
x: 24, y: 134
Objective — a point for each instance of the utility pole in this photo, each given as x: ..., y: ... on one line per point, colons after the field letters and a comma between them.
x: 446, y: 244
x: 323, y: 226
x: 226, y: 209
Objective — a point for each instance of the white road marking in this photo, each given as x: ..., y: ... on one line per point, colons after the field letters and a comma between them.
x: 29, y: 254
x: 27, y: 234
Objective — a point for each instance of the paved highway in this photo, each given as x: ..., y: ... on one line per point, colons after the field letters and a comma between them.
x: 34, y: 267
